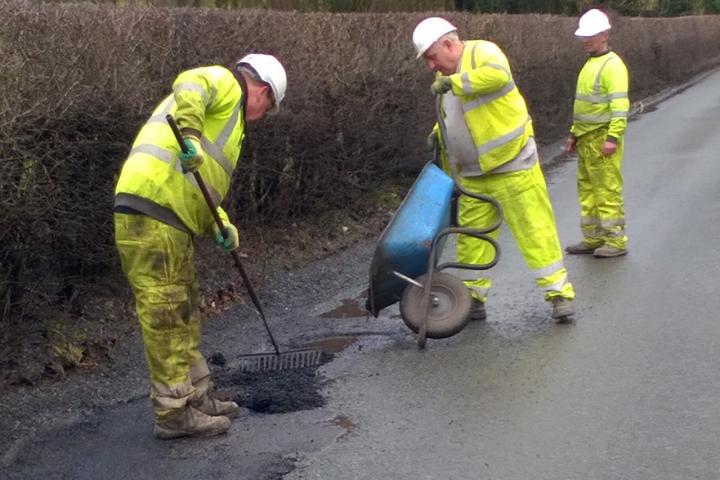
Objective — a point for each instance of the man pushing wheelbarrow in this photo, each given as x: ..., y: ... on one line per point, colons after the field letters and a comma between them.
x: 486, y: 141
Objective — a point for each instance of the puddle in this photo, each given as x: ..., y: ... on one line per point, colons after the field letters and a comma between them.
x: 332, y: 344
x: 345, y: 423
x: 350, y: 308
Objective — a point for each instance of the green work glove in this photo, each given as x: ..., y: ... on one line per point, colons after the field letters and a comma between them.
x: 233, y: 239
x: 432, y: 140
x: 194, y: 157
x: 441, y: 85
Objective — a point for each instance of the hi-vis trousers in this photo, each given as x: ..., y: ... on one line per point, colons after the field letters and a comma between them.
x: 158, y: 262
x: 600, y: 191
x: 524, y: 198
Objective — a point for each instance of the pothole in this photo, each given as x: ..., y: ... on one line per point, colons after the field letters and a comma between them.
x: 278, y: 391
x: 350, y: 308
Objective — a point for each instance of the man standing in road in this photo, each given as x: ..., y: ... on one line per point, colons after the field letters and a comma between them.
x: 158, y: 211
x: 486, y: 135
x: 599, y: 120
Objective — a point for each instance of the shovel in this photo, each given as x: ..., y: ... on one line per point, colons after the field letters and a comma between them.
x: 253, y: 362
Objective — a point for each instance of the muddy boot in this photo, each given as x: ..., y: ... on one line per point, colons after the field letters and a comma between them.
x: 210, y: 405
x: 562, y: 309
x: 608, y: 251
x: 477, y: 310
x: 582, y: 248
x: 189, y: 422
x: 203, y: 398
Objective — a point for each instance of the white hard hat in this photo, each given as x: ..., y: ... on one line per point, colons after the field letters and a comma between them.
x: 428, y: 32
x: 591, y: 23
x: 270, y: 71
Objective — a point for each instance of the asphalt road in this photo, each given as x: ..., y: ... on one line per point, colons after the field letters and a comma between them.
x: 630, y: 391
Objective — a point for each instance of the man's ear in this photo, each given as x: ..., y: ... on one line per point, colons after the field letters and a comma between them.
x: 260, y: 91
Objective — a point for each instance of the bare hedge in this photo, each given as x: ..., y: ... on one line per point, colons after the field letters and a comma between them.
x: 77, y: 81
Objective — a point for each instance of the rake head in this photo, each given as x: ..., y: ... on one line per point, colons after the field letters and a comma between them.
x: 262, y: 362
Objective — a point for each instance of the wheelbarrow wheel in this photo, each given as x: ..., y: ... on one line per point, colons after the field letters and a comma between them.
x: 450, y: 306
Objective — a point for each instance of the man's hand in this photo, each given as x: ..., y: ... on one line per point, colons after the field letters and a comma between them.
x: 194, y: 157
x: 570, y: 145
x: 441, y: 85
x: 609, y: 148
x: 233, y: 239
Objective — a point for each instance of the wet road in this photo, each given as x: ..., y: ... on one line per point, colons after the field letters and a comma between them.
x: 629, y: 391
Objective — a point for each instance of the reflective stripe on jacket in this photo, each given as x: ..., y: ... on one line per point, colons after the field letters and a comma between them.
x: 601, y: 97
x: 493, y: 108
x: 209, y: 100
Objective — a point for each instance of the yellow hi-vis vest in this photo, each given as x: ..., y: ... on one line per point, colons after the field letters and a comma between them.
x: 493, y: 108
x: 209, y: 100
x: 601, y: 98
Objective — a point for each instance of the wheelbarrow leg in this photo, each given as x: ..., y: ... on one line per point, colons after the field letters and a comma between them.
x: 425, y: 305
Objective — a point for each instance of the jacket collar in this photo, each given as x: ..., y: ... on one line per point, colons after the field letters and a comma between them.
x: 595, y: 55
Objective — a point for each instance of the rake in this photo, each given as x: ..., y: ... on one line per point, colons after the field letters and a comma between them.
x: 253, y: 362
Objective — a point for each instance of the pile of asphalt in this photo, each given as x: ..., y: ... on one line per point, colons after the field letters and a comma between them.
x: 277, y: 391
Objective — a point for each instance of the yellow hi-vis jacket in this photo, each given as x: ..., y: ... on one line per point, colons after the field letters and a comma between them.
x: 211, y: 101
x: 601, y: 98
x: 493, y: 108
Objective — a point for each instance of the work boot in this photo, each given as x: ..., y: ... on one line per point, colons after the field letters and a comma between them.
x: 608, y: 251
x: 189, y: 422
x: 582, y: 248
x: 563, y: 308
x: 203, y: 398
x: 210, y: 405
x: 477, y: 310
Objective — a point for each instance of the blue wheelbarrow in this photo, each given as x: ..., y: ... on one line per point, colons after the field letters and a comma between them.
x: 405, y: 267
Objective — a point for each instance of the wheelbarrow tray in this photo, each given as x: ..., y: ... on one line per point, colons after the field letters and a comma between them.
x: 404, y: 246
